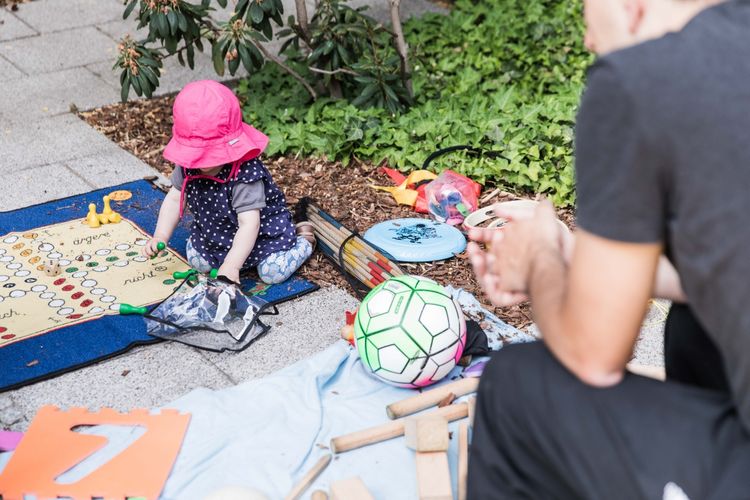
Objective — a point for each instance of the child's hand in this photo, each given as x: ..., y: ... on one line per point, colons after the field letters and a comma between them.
x: 149, y: 249
x: 229, y: 271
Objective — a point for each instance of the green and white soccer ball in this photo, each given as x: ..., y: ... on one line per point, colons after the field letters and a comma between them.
x: 409, y: 331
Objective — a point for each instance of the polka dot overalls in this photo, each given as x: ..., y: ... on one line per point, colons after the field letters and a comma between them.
x: 215, y: 221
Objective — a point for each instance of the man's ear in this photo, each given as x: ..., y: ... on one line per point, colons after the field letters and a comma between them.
x: 635, y: 10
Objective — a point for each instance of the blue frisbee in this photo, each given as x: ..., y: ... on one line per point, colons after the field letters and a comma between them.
x: 417, y: 240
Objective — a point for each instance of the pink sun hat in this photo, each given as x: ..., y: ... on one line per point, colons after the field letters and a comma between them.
x: 208, y: 130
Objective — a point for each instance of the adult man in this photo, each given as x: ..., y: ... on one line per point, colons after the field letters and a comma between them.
x: 663, y: 168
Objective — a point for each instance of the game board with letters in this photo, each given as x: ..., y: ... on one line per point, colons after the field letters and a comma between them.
x: 99, y: 268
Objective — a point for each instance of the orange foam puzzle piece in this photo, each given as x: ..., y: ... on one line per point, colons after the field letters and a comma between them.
x: 51, y: 447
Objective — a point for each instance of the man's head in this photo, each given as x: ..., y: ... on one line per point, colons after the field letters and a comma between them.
x: 616, y: 24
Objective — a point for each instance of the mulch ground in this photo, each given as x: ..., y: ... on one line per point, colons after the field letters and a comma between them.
x: 144, y: 128
x: 12, y: 4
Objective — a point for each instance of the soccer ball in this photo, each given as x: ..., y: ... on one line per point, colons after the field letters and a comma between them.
x: 409, y: 331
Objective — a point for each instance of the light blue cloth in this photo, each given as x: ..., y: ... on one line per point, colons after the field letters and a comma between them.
x: 266, y: 433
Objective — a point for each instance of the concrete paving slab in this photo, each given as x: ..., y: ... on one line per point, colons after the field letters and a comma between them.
x: 146, y: 377
x: 50, y: 140
x: 60, y: 50
x: 121, y: 27
x: 649, y: 348
x: 380, y: 9
x: 13, y: 418
x: 51, y: 94
x: 40, y: 184
x: 110, y: 168
x: 54, y: 15
x: 8, y: 72
x: 302, y: 328
x: 11, y: 27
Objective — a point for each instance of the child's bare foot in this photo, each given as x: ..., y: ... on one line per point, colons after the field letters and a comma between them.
x: 305, y: 229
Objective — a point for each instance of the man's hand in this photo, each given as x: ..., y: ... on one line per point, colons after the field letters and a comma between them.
x: 518, y: 244
x: 229, y: 271
x: 488, y: 265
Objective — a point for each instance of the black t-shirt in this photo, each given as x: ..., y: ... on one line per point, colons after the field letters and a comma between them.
x: 663, y: 155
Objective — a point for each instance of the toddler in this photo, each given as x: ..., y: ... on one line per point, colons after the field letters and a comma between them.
x: 240, y: 218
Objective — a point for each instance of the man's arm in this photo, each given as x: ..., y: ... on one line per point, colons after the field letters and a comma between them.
x: 590, y: 313
x: 588, y: 310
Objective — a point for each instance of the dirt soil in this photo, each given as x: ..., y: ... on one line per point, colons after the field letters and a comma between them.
x: 144, y: 128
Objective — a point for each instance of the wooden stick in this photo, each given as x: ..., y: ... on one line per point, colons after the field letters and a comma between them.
x: 377, y: 256
x: 319, y: 495
x: 308, y: 478
x: 338, y: 237
x: 391, y: 430
x: 335, y: 241
x: 432, y: 397
x: 364, y: 276
x: 376, y: 273
x: 472, y: 402
x: 463, y: 459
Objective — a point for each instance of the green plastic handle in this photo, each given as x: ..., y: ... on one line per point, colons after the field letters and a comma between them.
x: 159, y: 247
x: 128, y: 309
x: 181, y: 275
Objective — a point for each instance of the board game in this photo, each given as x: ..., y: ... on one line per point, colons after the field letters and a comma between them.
x: 99, y: 268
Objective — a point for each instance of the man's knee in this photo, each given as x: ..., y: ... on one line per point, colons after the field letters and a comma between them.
x: 513, y: 377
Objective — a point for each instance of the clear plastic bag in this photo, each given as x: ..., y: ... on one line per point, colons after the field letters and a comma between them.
x: 210, y: 314
x: 451, y: 197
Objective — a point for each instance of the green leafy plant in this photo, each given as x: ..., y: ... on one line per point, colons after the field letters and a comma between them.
x: 351, y: 53
x: 340, y: 51
x: 501, y: 75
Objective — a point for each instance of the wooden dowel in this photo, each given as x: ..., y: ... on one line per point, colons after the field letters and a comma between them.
x: 391, y: 430
x: 308, y: 478
x: 355, y: 268
x: 432, y: 397
x: 377, y: 256
x: 324, y: 232
x: 319, y: 495
x: 463, y: 459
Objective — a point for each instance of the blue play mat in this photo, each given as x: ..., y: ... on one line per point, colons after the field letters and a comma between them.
x: 64, y: 349
x: 417, y: 240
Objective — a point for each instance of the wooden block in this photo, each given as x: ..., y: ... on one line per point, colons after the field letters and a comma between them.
x: 655, y: 372
x: 319, y: 495
x: 433, y: 476
x: 350, y: 489
x: 431, y: 397
x: 472, y: 409
x: 463, y: 459
x: 426, y: 433
x: 391, y: 430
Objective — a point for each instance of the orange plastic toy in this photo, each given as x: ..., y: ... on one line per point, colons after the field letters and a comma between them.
x: 410, y: 189
x: 50, y: 448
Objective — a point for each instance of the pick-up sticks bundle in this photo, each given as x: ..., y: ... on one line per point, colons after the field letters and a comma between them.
x: 355, y: 256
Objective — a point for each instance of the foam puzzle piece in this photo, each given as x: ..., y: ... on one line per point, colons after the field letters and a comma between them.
x: 51, y: 447
x: 9, y: 440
